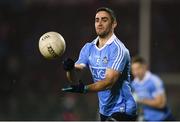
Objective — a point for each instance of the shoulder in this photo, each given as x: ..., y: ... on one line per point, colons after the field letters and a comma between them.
x: 87, y: 45
x: 91, y: 43
x: 156, y: 80
x: 119, y: 46
x: 118, y: 49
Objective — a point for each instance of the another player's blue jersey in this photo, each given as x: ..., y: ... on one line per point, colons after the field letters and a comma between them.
x: 148, y: 88
x: 113, y: 55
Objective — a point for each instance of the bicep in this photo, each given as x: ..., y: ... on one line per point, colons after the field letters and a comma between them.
x: 80, y: 66
x: 111, y: 76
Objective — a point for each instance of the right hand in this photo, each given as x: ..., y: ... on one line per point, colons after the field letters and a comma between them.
x: 68, y: 64
x: 78, y: 88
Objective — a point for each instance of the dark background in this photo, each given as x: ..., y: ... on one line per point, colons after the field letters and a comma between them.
x: 29, y: 83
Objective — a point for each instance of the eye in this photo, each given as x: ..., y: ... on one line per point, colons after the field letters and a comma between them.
x: 97, y: 20
x: 105, y: 19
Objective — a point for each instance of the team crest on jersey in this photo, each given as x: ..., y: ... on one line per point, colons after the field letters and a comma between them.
x: 105, y: 60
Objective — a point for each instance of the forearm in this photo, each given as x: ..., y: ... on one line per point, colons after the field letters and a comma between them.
x: 153, y: 103
x: 73, y: 75
x: 107, y: 83
x: 99, y: 86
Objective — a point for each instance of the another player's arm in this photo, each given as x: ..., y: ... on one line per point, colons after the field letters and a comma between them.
x: 111, y: 76
x: 158, y: 102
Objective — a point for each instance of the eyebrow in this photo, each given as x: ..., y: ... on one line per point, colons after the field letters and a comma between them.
x: 102, y: 18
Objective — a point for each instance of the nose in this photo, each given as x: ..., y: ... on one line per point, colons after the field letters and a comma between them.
x: 99, y: 23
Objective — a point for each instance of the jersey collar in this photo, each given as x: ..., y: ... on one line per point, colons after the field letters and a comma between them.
x: 110, y: 40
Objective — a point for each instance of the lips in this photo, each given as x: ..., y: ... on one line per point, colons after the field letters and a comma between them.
x: 100, y: 28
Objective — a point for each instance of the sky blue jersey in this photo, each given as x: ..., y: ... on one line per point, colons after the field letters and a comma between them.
x: 113, y: 55
x: 148, y: 88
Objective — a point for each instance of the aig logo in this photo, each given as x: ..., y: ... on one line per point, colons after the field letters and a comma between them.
x: 98, y: 74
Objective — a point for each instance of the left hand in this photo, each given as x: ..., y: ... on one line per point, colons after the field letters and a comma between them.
x: 78, y: 88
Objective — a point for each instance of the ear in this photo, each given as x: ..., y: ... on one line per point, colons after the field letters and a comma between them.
x: 145, y: 67
x: 114, y: 24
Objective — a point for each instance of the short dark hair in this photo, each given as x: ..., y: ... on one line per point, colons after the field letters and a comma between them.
x: 109, y: 11
x: 138, y: 59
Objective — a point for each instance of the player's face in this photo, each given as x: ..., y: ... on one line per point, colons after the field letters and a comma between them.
x: 138, y: 70
x: 104, y: 24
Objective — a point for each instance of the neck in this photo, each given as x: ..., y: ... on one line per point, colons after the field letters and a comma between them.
x: 142, y: 76
x: 102, y: 40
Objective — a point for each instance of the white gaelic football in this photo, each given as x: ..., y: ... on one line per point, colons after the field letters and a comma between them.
x: 52, y: 45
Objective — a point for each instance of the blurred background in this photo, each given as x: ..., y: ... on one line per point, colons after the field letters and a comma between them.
x: 29, y: 83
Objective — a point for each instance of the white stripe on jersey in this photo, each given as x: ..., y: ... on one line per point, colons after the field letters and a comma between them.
x: 122, y: 54
x: 97, y: 67
x: 113, y: 66
x: 119, y: 57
